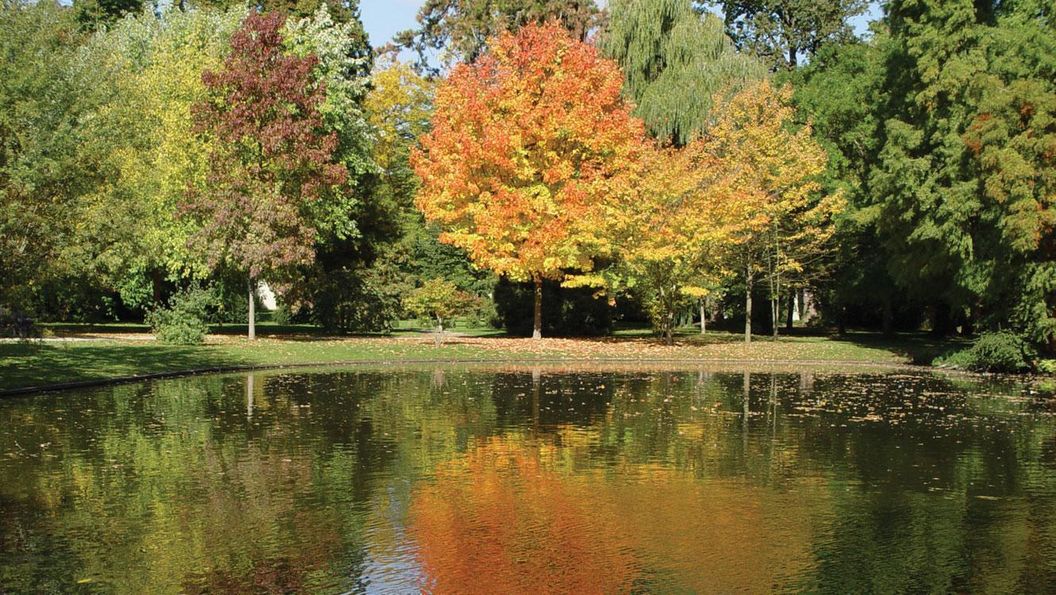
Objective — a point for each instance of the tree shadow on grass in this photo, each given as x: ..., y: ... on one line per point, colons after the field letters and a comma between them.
x: 39, y: 364
x: 919, y: 348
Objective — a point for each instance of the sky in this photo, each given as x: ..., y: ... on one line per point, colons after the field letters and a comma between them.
x: 383, y: 18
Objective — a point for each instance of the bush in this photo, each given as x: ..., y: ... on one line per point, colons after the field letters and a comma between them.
x: 16, y: 325
x: 183, y: 322
x: 354, y: 301
x: 996, y: 352
x: 1047, y: 366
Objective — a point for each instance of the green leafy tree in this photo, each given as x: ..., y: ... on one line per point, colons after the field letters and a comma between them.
x: 41, y: 105
x: 783, y: 32
x: 92, y: 14
x: 341, y: 11
x: 343, y: 69
x: 459, y: 30
x: 675, y: 60
x: 830, y: 91
x: 273, y: 173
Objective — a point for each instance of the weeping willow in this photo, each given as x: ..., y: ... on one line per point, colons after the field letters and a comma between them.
x: 675, y: 60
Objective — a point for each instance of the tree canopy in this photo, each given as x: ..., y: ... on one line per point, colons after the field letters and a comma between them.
x: 784, y: 32
x: 459, y: 30
x: 527, y: 143
x: 675, y: 60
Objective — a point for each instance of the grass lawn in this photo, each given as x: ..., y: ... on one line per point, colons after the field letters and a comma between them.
x: 125, y: 350
x: 40, y: 364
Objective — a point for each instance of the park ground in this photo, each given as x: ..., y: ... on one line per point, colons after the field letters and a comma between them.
x: 82, y: 353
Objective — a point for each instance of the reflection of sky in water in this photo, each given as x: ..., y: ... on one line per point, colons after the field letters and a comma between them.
x: 613, y: 478
x: 394, y: 569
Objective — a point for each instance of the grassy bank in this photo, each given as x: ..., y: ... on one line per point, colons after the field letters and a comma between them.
x: 103, y: 354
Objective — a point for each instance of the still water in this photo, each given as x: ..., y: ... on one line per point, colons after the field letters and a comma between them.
x: 530, y: 480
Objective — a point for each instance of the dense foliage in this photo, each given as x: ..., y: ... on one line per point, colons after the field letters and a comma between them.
x: 460, y: 30
x: 528, y: 145
x: 942, y: 130
x: 1000, y: 351
x: 184, y: 320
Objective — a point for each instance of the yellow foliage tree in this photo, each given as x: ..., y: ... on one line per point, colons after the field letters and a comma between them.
x: 142, y: 141
x: 672, y: 234
x: 771, y: 167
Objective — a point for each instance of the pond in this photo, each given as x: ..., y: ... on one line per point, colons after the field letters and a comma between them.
x: 514, y: 479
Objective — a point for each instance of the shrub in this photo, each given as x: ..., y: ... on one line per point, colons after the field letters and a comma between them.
x: 16, y: 325
x: 354, y: 301
x: 1047, y: 366
x: 281, y: 315
x: 183, y: 321
x: 996, y: 352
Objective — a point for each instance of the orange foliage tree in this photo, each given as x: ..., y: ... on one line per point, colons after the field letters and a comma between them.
x: 528, y: 144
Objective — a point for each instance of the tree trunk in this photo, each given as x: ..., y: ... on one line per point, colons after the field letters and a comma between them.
x: 888, y: 321
x: 252, y: 320
x: 775, y: 305
x: 940, y: 320
x: 748, y: 304
x: 775, y: 315
x: 703, y: 317
x: 156, y: 279
x: 790, y: 314
x: 537, y: 326
x: 438, y: 339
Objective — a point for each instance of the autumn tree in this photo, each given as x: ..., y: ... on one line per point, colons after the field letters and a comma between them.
x: 272, y: 173
x: 671, y: 235
x: 775, y: 169
x: 459, y: 30
x: 527, y: 145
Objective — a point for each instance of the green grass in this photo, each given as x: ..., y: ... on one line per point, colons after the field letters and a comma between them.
x: 40, y: 364
x: 809, y: 344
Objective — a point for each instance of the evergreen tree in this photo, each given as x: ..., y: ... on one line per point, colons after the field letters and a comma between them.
x: 964, y: 181
x: 92, y: 14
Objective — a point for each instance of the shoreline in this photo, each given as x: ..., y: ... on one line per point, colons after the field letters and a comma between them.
x: 669, y: 364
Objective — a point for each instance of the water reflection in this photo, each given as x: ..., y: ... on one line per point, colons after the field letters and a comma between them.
x: 527, y: 479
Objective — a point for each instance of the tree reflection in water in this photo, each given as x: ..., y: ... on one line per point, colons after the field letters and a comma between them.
x: 514, y: 479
